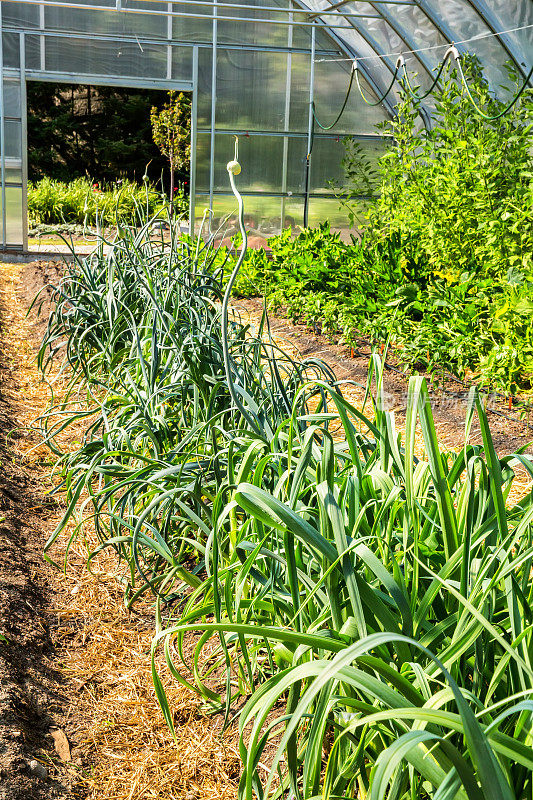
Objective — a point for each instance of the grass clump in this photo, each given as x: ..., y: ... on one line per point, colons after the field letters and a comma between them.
x: 84, y: 202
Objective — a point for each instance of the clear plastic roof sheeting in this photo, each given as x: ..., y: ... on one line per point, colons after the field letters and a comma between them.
x: 376, y: 33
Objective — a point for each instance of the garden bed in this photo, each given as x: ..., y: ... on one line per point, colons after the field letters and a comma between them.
x: 510, y: 428
x: 72, y: 659
x: 75, y: 660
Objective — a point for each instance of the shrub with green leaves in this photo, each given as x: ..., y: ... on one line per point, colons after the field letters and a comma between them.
x: 444, y: 267
x: 82, y: 201
x: 462, y: 188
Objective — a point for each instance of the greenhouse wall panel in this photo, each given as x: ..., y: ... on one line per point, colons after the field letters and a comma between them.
x: 256, y: 68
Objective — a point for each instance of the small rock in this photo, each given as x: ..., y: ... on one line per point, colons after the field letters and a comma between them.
x: 61, y: 743
x: 38, y: 769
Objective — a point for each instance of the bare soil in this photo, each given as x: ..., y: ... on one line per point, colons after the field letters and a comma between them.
x: 33, y: 693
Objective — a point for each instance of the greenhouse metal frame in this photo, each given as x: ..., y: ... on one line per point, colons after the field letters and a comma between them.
x: 254, y: 69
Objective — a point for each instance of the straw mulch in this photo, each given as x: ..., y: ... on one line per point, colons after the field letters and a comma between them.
x: 124, y: 750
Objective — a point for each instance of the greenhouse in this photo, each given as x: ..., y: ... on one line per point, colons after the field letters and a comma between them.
x: 255, y: 69
x: 266, y: 395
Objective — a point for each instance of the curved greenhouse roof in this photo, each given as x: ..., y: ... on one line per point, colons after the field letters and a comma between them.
x: 376, y: 33
x: 256, y: 68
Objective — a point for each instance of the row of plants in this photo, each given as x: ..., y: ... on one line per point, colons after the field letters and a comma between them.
x: 364, y: 616
x: 445, y: 266
x: 85, y: 202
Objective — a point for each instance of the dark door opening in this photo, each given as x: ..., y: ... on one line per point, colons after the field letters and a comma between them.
x: 87, y: 138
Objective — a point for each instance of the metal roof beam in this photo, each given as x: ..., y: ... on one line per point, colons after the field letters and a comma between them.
x: 350, y: 51
x: 440, y: 24
x: 406, y: 37
x: 343, y: 3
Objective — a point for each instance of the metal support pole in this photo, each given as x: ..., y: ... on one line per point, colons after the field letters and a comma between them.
x: 42, y: 40
x: 213, y: 113
x: 286, y: 125
x: 24, y: 141
x: 2, y: 134
x: 169, y: 39
x: 311, y: 123
x: 194, y: 130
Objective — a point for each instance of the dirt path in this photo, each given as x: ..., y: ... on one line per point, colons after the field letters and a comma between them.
x: 33, y: 694
x: 74, y: 665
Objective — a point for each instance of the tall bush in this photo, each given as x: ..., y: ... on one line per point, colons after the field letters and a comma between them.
x: 463, y: 188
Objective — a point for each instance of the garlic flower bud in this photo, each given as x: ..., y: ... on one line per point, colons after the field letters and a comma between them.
x: 234, y: 167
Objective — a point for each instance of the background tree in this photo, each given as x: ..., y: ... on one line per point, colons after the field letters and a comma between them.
x: 171, y: 132
x: 100, y: 131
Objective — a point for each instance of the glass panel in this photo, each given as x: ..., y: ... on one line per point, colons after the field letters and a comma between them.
x: 516, y: 15
x: 463, y: 19
x: 106, y: 58
x: 182, y: 63
x: 296, y: 164
x: 192, y: 29
x: 322, y: 209
x: 327, y: 171
x: 11, y: 50
x: 331, y: 84
x: 13, y: 170
x: 417, y: 28
x: 13, y: 215
x: 393, y: 33
x: 294, y: 213
x: 33, y: 51
x: 109, y: 21
x: 251, y: 90
x: 11, y: 98
x: 20, y: 15
x: 258, y: 33
x: 301, y: 36
x: 12, y: 132
x: 203, y: 145
x: 205, y: 61
x: 380, y: 69
x: 261, y: 159
x: 262, y: 216
x: 299, y: 99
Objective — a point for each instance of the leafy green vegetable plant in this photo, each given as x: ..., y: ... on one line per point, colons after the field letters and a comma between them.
x: 444, y: 266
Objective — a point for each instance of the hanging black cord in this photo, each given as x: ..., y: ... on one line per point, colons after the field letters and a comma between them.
x: 451, y: 51
x: 314, y: 119
x: 341, y: 112
x: 354, y: 74
x: 507, y: 107
x: 388, y: 90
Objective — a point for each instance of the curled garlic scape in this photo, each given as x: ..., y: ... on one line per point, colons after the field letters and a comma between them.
x: 234, y: 167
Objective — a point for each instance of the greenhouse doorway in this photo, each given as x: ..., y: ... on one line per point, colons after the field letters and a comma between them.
x: 90, y: 147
